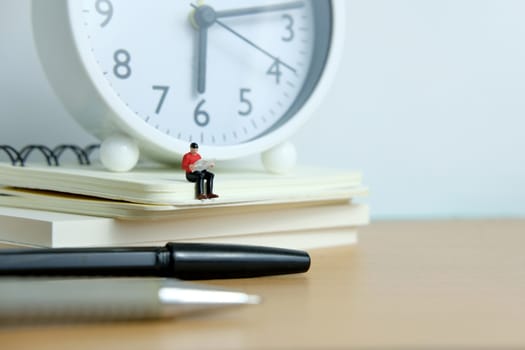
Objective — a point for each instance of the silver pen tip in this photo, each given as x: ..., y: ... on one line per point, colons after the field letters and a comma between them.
x: 186, y: 297
x: 188, y: 294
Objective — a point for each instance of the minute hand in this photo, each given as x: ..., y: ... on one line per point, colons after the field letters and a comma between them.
x: 259, y: 9
x: 228, y: 28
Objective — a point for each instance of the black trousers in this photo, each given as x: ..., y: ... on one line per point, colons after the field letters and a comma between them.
x: 200, y: 177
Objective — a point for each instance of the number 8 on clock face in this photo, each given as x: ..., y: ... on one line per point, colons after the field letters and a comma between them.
x: 238, y: 77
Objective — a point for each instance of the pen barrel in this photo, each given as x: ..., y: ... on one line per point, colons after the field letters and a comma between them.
x: 85, y: 262
x: 78, y: 300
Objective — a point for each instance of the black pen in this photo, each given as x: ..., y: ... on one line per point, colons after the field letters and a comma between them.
x: 190, y: 261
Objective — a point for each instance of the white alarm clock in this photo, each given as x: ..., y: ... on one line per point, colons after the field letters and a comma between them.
x: 236, y: 76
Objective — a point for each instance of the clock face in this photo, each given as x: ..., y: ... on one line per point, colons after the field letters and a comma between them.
x: 220, y: 73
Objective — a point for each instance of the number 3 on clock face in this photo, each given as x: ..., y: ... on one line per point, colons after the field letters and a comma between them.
x: 235, y: 76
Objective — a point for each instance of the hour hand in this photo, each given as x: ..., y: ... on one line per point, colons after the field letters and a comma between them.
x: 201, y: 61
x: 203, y: 18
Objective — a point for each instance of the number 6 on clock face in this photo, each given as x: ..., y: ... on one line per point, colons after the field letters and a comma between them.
x: 236, y: 76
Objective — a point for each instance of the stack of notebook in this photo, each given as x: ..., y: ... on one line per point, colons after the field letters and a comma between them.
x: 79, y: 206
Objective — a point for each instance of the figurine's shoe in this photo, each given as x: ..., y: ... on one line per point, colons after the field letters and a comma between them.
x: 201, y: 196
x: 213, y: 195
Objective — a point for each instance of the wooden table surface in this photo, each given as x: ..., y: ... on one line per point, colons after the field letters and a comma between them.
x: 422, y: 284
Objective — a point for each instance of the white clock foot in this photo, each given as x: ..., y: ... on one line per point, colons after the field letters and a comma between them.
x: 280, y: 159
x: 119, y: 153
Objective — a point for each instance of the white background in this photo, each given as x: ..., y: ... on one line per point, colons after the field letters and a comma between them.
x: 428, y: 104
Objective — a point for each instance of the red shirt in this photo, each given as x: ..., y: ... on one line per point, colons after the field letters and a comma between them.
x: 188, y: 159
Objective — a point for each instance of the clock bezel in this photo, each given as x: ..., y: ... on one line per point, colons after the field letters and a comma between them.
x: 99, y: 110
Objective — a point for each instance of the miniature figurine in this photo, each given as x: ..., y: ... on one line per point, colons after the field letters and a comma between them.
x: 197, y: 171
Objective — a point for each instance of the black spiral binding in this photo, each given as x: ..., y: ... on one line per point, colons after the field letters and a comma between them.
x: 52, y: 156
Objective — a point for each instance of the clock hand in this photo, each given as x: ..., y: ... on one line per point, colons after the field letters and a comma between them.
x: 259, y: 9
x: 237, y: 34
x: 204, y: 17
x: 201, y: 64
x: 209, y: 17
